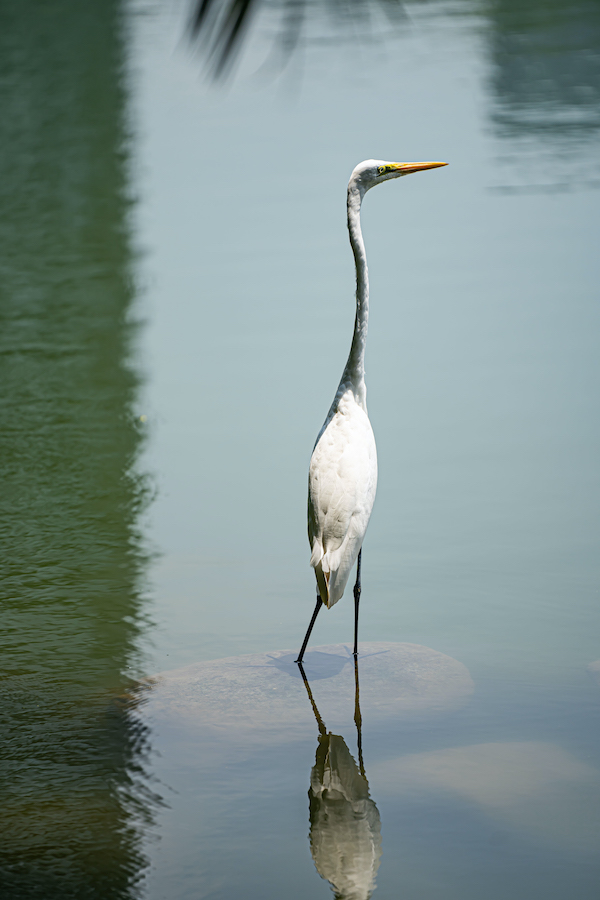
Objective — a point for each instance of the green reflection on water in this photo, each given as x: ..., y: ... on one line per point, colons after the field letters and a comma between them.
x: 544, y: 54
x: 546, y: 67
x: 72, y: 561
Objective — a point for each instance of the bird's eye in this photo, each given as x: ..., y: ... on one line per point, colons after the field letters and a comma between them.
x: 381, y: 170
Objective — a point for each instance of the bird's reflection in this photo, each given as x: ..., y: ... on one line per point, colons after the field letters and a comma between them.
x: 345, y: 829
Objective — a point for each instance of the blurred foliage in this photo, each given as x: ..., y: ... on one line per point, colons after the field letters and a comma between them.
x: 545, y: 57
x: 544, y: 54
x: 221, y: 26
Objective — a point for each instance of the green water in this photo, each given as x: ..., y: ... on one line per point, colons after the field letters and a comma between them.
x: 72, y: 612
x: 175, y: 251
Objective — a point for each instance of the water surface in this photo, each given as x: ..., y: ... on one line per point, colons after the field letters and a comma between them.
x: 482, y: 379
x: 72, y: 609
x: 136, y: 191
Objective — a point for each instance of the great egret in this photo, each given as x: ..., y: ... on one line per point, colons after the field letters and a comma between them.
x: 342, y: 477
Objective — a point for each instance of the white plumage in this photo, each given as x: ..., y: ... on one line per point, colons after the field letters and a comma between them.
x: 342, y: 476
x: 342, y: 481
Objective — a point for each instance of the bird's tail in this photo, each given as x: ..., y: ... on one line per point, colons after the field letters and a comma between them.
x: 332, y: 569
x: 323, y: 584
x: 318, y: 561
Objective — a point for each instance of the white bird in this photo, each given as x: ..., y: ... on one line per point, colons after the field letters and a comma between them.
x: 342, y: 477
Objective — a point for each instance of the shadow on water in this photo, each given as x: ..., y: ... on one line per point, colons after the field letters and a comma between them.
x: 321, y: 665
x: 72, y: 610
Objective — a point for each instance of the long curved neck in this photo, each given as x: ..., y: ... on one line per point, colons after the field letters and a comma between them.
x: 354, y: 373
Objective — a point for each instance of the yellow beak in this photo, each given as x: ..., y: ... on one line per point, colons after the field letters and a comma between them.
x: 409, y: 168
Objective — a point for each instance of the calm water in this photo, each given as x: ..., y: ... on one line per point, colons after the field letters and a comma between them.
x: 176, y: 311
x: 72, y: 611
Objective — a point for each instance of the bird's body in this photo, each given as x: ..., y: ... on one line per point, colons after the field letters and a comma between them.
x: 342, y: 481
x: 342, y: 476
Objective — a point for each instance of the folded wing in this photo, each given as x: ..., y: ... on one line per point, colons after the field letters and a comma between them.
x: 341, y: 490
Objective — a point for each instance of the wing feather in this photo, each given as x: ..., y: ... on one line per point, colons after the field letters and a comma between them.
x: 341, y: 491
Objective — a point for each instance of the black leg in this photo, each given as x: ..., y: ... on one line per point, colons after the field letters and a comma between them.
x: 356, y: 601
x: 310, y: 627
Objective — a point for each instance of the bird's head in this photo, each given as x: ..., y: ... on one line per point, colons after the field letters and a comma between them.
x: 374, y: 171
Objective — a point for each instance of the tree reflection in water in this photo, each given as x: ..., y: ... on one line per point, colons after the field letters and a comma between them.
x: 72, y: 610
x: 345, y: 829
x: 544, y: 55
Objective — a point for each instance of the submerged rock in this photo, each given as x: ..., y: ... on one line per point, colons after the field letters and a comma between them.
x: 536, y: 788
x: 259, y: 692
x: 594, y: 670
